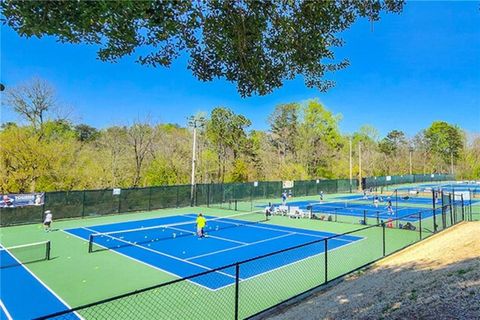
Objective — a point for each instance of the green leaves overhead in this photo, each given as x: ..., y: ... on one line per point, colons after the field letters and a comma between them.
x: 255, y: 44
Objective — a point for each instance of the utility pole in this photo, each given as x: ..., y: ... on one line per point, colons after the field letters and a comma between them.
x: 360, y: 166
x: 410, y: 150
x: 194, y: 122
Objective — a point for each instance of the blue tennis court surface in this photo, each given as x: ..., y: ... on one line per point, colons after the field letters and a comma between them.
x: 401, y: 199
x: 182, y: 254
x: 22, y: 294
x: 362, y: 209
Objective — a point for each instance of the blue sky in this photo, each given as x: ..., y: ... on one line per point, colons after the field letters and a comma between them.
x: 414, y: 68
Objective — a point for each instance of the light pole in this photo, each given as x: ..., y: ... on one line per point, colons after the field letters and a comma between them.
x: 410, y: 151
x: 360, y: 166
x: 195, y: 122
x: 351, y: 171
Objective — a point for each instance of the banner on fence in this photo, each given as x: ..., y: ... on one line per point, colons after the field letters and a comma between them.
x: 288, y: 184
x: 22, y: 200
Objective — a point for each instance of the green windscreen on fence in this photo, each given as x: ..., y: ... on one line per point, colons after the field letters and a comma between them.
x: 236, y: 196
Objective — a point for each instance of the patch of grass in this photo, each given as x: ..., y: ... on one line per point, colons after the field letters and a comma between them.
x: 464, y: 271
x: 413, y: 295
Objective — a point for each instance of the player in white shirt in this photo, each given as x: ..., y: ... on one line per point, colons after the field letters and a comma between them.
x: 47, y: 223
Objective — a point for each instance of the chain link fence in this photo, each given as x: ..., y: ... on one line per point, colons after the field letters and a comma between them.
x: 252, y: 287
x: 235, y: 196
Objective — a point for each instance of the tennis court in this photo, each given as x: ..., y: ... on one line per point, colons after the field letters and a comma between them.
x: 152, y: 265
x: 18, y: 281
x: 360, y: 208
x: 170, y: 244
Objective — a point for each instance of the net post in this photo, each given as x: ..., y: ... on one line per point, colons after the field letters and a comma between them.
x: 335, y: 212
x: 326, y: 260
x: 90, y: 243
x: 378, y: 217
x: 365, y: 217
x: 235, y: 202
x: 237, y: 282
x: 48, y: 250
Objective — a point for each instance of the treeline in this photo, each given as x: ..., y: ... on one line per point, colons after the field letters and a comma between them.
x: 48, y: 152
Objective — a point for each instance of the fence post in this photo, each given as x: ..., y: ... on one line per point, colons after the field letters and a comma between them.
x: 463, y: 208
x: 420, y: 223
x: 326, y: 260
x: 120, y: 200
x: 83, y: 204
x: 191, y: 204
x: 434, y: 201
x: 149, y: 198
x: 383, y: 231
x: 237, y: 282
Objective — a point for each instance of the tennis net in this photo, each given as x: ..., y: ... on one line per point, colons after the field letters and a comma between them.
x: 145, y: 236
x: 347, y: 203
x: 23, y: 254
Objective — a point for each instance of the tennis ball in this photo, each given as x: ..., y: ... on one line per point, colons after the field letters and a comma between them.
x: 183, y: 252
x: 96, y: 267
x: 84, y: 281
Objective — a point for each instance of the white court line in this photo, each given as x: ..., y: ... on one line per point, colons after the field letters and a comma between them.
x: 163, y: 254
x: 280, y: 230
x: 136, y: 220
x: 209, y: 236
x: 9, y: 316
x: 244, y: 245
x: 140, y: 261
x: 46, y: 287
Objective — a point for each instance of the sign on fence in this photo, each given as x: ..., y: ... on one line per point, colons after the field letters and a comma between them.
x: 22, y: 200
x: 288, y: 184
x: 117, y: 191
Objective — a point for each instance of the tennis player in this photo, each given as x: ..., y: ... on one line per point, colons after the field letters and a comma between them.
x: 375, y: 201
x: 201, y: 223
x: 284, y: 198
x: 47, y: 223
x: 389, y: 207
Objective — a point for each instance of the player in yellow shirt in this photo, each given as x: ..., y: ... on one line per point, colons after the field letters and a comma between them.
x: 201, y: 223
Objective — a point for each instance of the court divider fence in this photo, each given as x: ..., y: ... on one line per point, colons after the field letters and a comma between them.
x: 90, y: 203
x: 254, y: 296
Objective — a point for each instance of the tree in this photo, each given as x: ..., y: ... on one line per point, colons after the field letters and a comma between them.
x: 140, y: 137
x: 226, y: 132
x: 445, y: 141
x: 319, y: 139
x: 284, y: 129
x: 86, y: 133
x: 32, y: 101
x: 392, y: 142
x: 255, y: 44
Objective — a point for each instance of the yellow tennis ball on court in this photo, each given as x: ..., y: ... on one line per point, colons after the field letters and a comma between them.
x: 183, y: 252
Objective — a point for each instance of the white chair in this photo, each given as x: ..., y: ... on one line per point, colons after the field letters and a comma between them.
x: 281, y: 210
x: 296, y: 213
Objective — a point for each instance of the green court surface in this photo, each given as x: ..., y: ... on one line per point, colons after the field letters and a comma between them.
x: 79, y: 277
